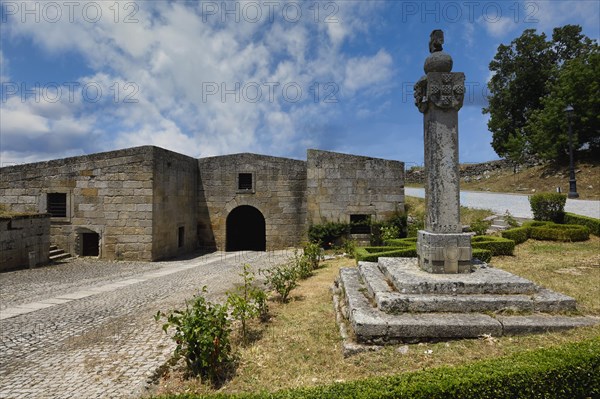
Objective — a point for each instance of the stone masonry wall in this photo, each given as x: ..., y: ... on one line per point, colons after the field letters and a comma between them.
x: 107, y: 193
x: 278, y: 193
x: 20, y: 235
x: 340, y: 185
x: 175, y: 204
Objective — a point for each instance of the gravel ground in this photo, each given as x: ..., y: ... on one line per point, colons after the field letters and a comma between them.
x: 516, y: 204
x: 105, y: 344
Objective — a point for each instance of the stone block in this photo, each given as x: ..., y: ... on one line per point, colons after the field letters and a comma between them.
x: 444, y: 252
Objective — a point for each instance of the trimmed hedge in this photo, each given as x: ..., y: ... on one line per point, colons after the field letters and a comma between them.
x: 400, y: 242
x: 591, y: 223
x: 564, y: 372
x: 484, y: 255
x: 548, y: 206
x: 496, y: 245
x: 560, y: 232
x: 548, y: 231
x: 372, y: 254
x: 519, y: 234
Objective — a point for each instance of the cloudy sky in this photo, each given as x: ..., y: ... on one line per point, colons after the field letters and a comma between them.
x: 273, y: 77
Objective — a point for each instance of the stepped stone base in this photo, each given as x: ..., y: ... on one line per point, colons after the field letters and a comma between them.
x: 393, y: 301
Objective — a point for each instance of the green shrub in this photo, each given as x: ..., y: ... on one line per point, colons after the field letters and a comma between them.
x: 247, y: 301
x: 591, y: 223
x: 564, y: 372
x: 519, y: 234
x: 283, y: 279
x: 484, y: 255
x: 395, y: 227
x: 548, y: 207
x: 202, y: 336
x: 496, y: 245
x: 313, y: 253
x: 480, y: 226
x: 510, y: 220
x: 327, y: 234
x: 302, y: 265
x: 560, y: 232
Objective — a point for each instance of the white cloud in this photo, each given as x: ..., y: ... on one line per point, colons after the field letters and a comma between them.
x: 170, y: 58
x: 499, y: 27
x: 368, y: 72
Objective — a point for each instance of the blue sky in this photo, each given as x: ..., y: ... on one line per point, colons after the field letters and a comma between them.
x: 272, y: 77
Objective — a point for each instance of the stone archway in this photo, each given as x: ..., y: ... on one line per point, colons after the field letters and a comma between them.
x: 246, y: 230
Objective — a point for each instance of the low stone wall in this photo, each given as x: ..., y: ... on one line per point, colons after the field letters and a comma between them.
x: 22, y: 235
x: 467, y: 171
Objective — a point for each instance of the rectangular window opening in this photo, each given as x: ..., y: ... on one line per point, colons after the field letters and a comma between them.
x: 245, y: 181
x: 180, y: 237
x: 360, y: 224
x: 57, y: 205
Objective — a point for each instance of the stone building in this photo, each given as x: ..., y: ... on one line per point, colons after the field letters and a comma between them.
x: 148, y: 203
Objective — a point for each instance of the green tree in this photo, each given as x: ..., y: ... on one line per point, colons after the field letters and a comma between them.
x: 530, y: 75
x: 578, y: 84
x: 521, y: 70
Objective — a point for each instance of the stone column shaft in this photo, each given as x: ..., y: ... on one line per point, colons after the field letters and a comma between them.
x: 441, y: 162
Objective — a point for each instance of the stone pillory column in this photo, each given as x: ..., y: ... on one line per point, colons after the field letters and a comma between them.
x: 441, y: 247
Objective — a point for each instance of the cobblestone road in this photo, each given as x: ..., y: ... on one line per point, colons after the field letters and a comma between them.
x: 85, y: 329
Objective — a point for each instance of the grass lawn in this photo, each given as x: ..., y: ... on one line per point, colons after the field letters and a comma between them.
x: 300, y: 345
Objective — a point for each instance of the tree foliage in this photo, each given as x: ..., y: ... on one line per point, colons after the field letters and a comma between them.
x: 533, y: 81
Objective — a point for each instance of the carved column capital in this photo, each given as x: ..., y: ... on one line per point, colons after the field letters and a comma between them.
x: 444, y: 90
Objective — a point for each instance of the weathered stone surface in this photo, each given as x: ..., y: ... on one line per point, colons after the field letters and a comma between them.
x: 374, y: 326
x: 395, y: 303
x: 439, y: 95
x: 548, y: 301
x: 21, y: 236
x: 408, y: 278
x: 182, y: 203
x: 517, y: 325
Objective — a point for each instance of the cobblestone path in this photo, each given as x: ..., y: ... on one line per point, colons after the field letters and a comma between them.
x: 85, y: 329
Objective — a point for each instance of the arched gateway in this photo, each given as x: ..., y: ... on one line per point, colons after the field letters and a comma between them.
x: 246, y: 230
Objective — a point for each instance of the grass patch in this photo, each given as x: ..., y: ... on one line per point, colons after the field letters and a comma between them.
x: 415, y: 208
x: 300, y: 346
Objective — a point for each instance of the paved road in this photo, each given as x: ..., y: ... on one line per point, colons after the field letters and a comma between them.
x: 85, y: 329
x: 516, y: 204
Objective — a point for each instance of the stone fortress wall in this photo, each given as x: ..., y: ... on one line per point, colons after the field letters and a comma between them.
x: 340, y: 185
x: 22, y: 237
x: 147, y: 203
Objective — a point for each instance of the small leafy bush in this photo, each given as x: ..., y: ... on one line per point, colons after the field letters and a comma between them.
x: 326, y: 234
x: 480, y: 226
x: 510, y: 220
x: 389, y: 232
x: 519, y: 234
x: 591, y: 223
x: 496, y: 245
x: 202, y: 335
x: 248, y: 301
x: 349, y: 247
x: 282, y: 279
x: 548, y: 207
x: 560, y: 232
x: 304, y: 268
x: 313, y: 253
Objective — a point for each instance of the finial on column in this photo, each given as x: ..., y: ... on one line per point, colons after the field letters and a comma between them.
x: 438, y: 60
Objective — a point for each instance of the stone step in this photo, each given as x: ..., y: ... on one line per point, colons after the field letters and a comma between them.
x: 58, y: 254
x: 407, y: 278
x: 371, y: 325
x: 544, y: 301
x: 390, y: 301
